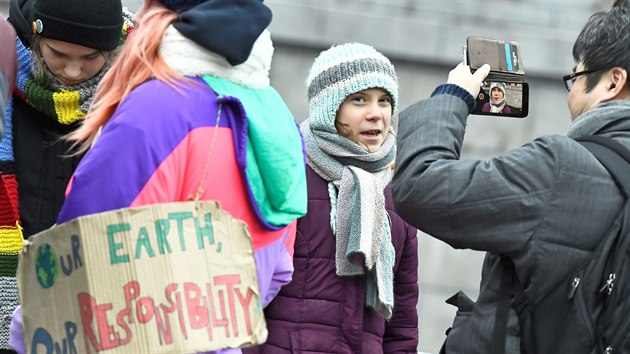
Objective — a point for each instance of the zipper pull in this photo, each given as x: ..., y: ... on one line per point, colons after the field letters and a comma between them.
x: 608, y: 350
x: 609, y: 285
x: 574, y: 284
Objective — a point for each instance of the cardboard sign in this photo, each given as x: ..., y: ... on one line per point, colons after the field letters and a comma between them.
x: 166, y: 278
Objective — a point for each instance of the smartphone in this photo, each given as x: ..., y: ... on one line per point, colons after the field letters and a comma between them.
x: 505, y: 92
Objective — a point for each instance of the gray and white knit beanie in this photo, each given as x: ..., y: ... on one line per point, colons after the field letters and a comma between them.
x: 343, y: 70
x: 500, y: 85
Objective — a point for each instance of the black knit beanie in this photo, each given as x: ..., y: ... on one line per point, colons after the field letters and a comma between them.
x: 226, y: 27
x: 95, y: 24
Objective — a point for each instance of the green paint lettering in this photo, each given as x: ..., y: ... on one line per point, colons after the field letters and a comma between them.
x: 144, y: 241
x: 162, y: 227
x: 114, y: 246
x: 205, y: 231
x: 180, y: 217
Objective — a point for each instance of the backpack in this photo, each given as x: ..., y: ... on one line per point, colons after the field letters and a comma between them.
x: 590, y: 312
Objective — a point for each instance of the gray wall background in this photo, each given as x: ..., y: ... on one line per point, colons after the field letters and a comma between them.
x: 424, y: 40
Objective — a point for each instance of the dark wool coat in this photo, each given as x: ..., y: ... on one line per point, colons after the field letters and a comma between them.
x: 320, y: 312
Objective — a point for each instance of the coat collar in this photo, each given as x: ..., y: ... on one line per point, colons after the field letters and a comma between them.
x: 190, y: 59
x: 612, y: 116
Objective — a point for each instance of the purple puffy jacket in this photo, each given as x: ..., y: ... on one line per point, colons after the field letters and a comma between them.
x: 320, y: 312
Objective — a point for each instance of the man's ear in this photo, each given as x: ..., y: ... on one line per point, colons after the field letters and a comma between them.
x: 615, y: 81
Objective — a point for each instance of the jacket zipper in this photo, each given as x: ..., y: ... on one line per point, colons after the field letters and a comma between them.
x: 618, y: 336
x: 581, y: 307
x: 574, y: 285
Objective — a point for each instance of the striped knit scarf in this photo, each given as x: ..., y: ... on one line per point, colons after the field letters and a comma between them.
x: 66, y: 105
x: 358, y: 217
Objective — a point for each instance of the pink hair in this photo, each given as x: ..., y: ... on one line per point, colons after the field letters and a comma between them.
x: 138, y: 61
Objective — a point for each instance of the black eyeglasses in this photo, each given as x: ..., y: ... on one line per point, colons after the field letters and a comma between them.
x: 569, y: 80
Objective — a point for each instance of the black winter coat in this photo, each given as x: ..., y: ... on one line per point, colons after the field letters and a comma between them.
x: 42, y: 166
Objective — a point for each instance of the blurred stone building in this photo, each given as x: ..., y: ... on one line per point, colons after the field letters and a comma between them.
x: 424, y: 40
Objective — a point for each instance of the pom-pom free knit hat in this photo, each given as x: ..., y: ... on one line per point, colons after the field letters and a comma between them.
x: 499, y: 85
x: 94, y: 24
x: 342, y: 70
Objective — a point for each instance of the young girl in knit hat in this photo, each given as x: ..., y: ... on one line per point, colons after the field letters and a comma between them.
x: 497, y: 99
x: 64, y: 47
x: 355, y: 286
x: 187, y: 113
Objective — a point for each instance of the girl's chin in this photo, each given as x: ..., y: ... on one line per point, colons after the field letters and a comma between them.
x: 371, y: 146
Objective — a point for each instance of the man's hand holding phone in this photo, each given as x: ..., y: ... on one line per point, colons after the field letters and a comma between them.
x: 471, y: 82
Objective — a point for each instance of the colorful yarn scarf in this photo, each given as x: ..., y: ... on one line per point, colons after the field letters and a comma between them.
x: 66, y: 105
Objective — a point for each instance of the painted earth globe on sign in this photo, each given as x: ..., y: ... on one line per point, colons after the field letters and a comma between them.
x: 46, y: 266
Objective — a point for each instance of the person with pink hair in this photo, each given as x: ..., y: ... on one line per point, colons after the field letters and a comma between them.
x: 187, y: 113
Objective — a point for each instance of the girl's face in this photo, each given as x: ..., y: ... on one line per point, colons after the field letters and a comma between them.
x: 497, y: 94
x: 364, y: 118
x: 71, y: 63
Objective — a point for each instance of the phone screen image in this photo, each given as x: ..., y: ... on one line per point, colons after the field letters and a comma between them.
x: 501, y: 98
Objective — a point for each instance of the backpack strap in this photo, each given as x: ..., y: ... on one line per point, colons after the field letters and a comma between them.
x: 499, y: 333
x: 616, y: 159
x: 511, y: 295
x: 614, y: 156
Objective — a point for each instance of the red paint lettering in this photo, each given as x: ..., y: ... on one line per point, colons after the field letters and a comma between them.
x: 223, y: 321
x: 229, y: 281
x: 120, y: 319
x: 87, y: 306
x: 197, y: 314
x: 208, y: 306
x: 144, y: 310
x: 109, y: 337
x: 89, y: 311
x: 175, y: 305
x: 245, y: 301
x: 131, y: 291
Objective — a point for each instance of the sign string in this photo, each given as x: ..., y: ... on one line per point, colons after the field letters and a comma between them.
x: 200, y: 190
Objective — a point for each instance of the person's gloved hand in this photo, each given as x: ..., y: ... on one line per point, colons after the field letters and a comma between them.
x: 462, y: 77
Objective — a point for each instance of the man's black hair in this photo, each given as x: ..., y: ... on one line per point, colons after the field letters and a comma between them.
x: 604, y: 42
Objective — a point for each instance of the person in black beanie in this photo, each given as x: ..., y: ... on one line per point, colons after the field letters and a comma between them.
x: 64, y: 48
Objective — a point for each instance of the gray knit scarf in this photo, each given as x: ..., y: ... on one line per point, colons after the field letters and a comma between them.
x: 358, y: 217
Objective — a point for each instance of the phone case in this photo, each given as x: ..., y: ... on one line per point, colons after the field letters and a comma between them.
x: 502, y: 56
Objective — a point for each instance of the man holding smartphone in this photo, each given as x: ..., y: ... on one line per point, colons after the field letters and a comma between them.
x: 545, y: 207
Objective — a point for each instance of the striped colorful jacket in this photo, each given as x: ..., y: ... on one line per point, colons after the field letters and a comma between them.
x: 154, y: 150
